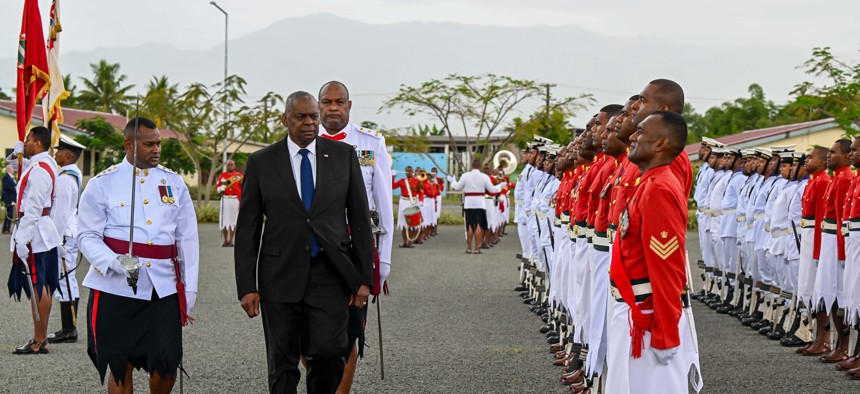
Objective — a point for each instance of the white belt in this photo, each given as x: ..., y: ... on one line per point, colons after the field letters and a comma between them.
x: 780, y: 233
x: 610, y: 235
x: 541, y: 214
x: 828, y: 226
x: 728, y: 211
x: 741, y: 218
x: 638, y: 290
x: 715, y: 213
x: 589, y: 232
x: 518, y: 200
x: 749, y: 225
x: 229, y: 196
x: 600, y: 241
x: 758, y: 216
x: 529, y: 214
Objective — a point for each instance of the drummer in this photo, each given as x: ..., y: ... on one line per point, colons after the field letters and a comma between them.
x: 411, y: 195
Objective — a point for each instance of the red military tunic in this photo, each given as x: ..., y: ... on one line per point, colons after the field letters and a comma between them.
x: 624, y: 182
x: 429, y: 189
x: 650, y: 248
x: 414, y: 186
x: 580, y: 198
x: 594, y: 186
x: 570, y: 205
x: 834, y: 203
x: 235, y: 189
x: 562, y: 197
x: 812, y: 207
x: 851, y: 212
x: 602, y: 197
x: 683, y: 169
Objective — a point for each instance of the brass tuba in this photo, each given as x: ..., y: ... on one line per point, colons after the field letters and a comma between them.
x: 506, y: 160
x: 422, y: 176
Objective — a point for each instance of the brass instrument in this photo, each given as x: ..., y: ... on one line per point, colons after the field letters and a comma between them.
x: 506, y: 160
x: 422, y: 176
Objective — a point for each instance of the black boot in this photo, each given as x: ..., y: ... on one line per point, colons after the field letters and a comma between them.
x: 68, y: 333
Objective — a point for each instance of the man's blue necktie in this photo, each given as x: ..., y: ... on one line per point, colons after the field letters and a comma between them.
x: 308, y: 194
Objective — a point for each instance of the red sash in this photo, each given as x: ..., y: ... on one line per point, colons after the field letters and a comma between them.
x: 26, y: 178
x: 158, y: 252
x: 639, y: 322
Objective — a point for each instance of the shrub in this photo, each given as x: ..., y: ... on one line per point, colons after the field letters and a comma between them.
x: 451, y: 218
x: 207, y: 213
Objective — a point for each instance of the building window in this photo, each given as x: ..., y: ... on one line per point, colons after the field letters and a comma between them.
x: 88, y: 166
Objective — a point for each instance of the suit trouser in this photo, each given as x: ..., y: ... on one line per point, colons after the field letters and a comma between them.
x: 7, y: 221
x: 314, y: 327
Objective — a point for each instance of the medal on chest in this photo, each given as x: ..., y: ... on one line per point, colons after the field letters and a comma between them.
x: 605, y: 192
x: 366, y: 157
x: 166, y: 193
x: 624, y: 223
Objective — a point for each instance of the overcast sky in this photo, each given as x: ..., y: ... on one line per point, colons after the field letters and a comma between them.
x: 195, y: 23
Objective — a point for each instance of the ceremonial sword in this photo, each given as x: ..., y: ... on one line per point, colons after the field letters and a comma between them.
x: 24, y: 264
x: 690, y: 303
x: 378, y: 231
x: 132, y: 263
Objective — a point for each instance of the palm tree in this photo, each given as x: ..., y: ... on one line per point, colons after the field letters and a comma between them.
x: 105, y: 92
x: 72, y: 100
x: 160, y: 101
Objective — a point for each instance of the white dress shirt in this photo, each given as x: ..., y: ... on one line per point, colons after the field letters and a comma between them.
x: 296, y: 157
x: 475, y: 182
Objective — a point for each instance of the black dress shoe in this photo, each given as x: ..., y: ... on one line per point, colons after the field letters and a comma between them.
x: 792, y: 341
x: 63, y: 336
x: 524, y: 294
x: 715, y: 304
x: 551, y: 334
x: 724, y: 310
x: 545, y: 318
x: 528, y: 300
x: 760, y: 324
x: 766, y: 330
x: 776, y: 334
x: 552, y: 340
x: 545, y: 329
x: 27, y: 348
x: 700, y: 293
x: 520, y: 288
x: 750, y: 320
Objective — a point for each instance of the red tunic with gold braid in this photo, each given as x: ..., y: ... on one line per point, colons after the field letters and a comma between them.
x: 623, y: 184
x: 601, y: 195
x: 235, y: 188
x: 649, y: 248
x: 834, y: 203
x: 414, y: 186
x: 812, y: 207
x: 851, y: 212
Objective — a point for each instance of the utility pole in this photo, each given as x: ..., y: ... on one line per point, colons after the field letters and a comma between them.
x: 226, y: 20
x: 547, y: 87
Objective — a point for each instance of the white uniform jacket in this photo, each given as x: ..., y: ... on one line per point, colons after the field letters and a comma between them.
x: 164, y: 215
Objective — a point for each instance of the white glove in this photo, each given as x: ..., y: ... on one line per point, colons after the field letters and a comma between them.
x: 22, y: 251
x: 221, y: 189
x: 393, y: 172
x: 384, y: 271
x: 18, y: 148
x: 61, y: 253
x: 190, y: 299
x: 451, y: 179
x: 665, y: 355
x: 117, y: 267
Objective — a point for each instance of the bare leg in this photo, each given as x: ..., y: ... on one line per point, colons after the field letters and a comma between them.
x: 348, y: 372
x: 479, y: 237
x: 40, y: 328
x: 842, y: 338
x: 470, y: 234
x: 224, y: 235
x: 232, y: 235
x: 405, y: 239
x: 161, y: 385
x: 127, y: 388
x: 821, y: 334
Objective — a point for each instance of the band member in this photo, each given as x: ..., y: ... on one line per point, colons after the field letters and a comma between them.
x: 411, y: 195
x: 373, y: 158
x: 230, y: 187
x: 132, y: 327
x: 65, y: 215
x: 440, y: 182
x: 648, y: 270
x: 35, y: 239
x: 315, y: 256
x: 474, y: 185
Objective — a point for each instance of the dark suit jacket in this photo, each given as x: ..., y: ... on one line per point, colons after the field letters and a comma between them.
x: 279, y: 272
x: 9, y: 194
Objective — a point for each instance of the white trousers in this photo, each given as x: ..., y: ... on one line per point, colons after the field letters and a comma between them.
x: 807, y: 268
x: 851, y: 284
x: 582, y: 278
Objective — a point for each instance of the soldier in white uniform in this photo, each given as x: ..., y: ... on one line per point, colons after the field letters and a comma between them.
x: 65, y: 215
x: 35, y: 240
x: 375, y: 164
x: 138, y: 326
x: 728, y: 230
x: 703, y: 178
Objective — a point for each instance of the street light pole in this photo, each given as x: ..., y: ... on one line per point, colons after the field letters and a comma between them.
x: 226, y: 22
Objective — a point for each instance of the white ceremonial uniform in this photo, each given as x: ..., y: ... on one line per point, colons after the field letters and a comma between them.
x: 721, y: 183
x: 741, y: 221
x: 765, y: 274
x: 748, y: 243
x: 522, y: 196
x: 376, y: 170
x: 703, y: 180
x: 65, y: 216
x: 474, y: 182
x: 105, y: 211
x: 775, y: 192
x: 537, y: 180
x: 781, y: 236
x: 728, y: 230
x: 33, y: 228
x: 539, y: 216
x: 546, y: 214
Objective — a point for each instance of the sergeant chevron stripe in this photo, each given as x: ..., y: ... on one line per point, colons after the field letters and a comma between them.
x: 664, y: 250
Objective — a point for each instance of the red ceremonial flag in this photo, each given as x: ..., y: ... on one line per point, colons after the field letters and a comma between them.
x: 33, y: 78
x: 52, y: 113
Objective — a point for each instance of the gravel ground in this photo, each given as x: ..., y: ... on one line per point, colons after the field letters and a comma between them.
x: 452, y: 325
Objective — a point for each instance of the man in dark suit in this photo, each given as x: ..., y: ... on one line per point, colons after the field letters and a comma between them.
x: 311, y: 266
x: 8, y: 197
